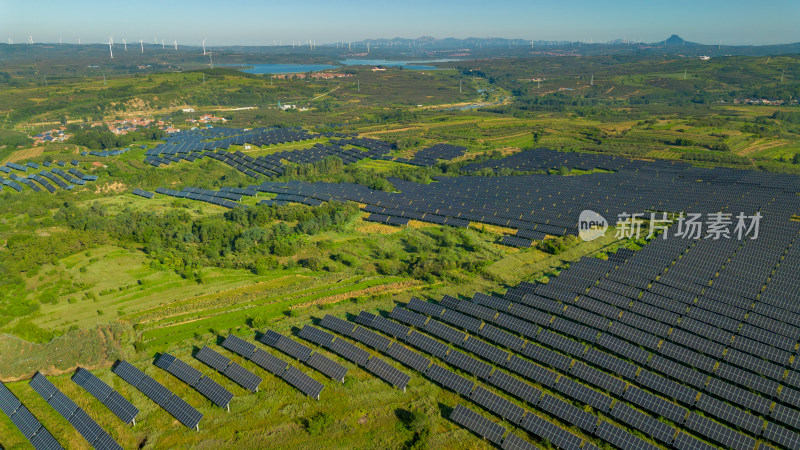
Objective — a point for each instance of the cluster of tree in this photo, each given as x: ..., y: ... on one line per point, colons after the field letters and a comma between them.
x: 241, y: 238
x: 12, y: 139
x: 97, y: 138
x: 717, y: 157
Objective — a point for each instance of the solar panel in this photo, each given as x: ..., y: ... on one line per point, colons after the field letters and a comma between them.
x: 478, y: 424
x: 468, y: 364
x: 678, y: 371
x: 515, y: 387
x: 532, y: 371
x: 423, y: 307
x: 561, y: 343
x: 121, y: 407
x: 303, y: 382
x: 180, y: 369
x: 667, y: 387
x: 286, y: 345
x: 338, y: 325
x: 427, y: 344
x: 331, y: 369
x: 514, y: 442
x: 350, y: 352
x: 584, y: 394
x: 719, y: 433
x: 598, y: 378
x: 213, y: 391
x: 621, y: 438
x: 643, y: 423
x: 408, y: 357
x: 738, y: 396
x: 390, y: 327
x: 450, y: 380
x: 269, y: 362
x: 87, y: 427
x: 688, y: 442
x: 546, y: 356
x: 213, y: 359
x: 243, y: 377
x: 42, y: 386
x: 408, y: 317
x: 388, y: 373
x: 568, y: 413
x: 656, y: 405
x: 128, y: 372
x: 62, y: 404
x: 239, y: 346
x: 371, y: 338
x: 730, y: 414
x: 8, y: 401
x: 442, y: 331
x: 486, y: 351
x: 155, y: 391
x: 316, y: 336
x: 780, y: 435
x: 497, y: 405
x: 785, y: 415
x: 461, y: 320
x: 182, y: 411
x: 550, y: 432
x: 611, y: 363
x: 25, y: 422
x: 43, y: 440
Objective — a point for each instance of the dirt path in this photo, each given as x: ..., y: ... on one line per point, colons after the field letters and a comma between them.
x: 383, y: 288
x: 760, y: 145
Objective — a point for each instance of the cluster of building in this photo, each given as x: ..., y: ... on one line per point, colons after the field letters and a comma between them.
x: 124, y: 126
x: 54, y: 135
x: 206, y: 118
x: 764, y: 101
x: 316, y: 75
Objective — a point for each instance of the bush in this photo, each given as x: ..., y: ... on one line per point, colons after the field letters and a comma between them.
x: 318, y: 423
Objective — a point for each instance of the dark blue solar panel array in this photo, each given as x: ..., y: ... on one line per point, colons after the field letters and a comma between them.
x: 162, y: 396
x: 274, y: 365
x: 193, y: 145
x: 77, y: 417
x: 230, y: 369
x: 112, y: 399
x: 373, y: 364
x: 304, y: 354
x: 24, y: 420
x: 222, y: 198
x: 194, y: 378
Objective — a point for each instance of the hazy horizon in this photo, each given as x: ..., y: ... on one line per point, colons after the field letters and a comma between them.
x: 732, y: 22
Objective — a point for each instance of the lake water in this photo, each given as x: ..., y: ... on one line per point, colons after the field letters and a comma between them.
x: 410, y: 65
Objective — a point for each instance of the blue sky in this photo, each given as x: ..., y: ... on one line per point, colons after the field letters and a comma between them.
x: 227, y: 22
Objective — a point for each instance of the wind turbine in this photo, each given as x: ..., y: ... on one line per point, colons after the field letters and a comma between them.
x: 60, y: 41
x: 162, y: 44
x: 30, y: 39
x: 211, y: 59
x: 176, y: 45
x: 141, y: 43
x: 10, y: 41
x: 111, y: 52
x: 125, y: 44
x: 204, y: 47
